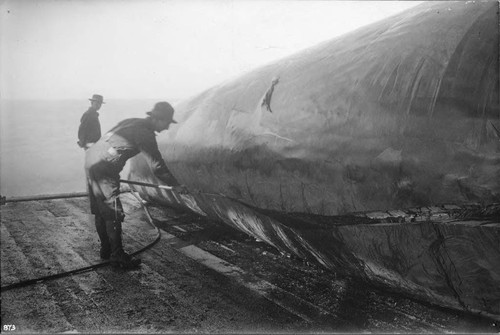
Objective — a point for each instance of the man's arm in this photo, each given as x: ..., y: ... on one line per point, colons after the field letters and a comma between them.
x: 82, y: 131
x: 149, y: 147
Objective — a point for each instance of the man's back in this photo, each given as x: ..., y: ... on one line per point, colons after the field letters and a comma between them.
x: 125, y: 140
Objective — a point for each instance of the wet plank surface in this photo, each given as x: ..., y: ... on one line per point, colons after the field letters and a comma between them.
x: 201, y: 277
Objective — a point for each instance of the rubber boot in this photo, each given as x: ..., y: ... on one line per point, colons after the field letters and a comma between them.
x: 119, y: 258
x: 100, y: 226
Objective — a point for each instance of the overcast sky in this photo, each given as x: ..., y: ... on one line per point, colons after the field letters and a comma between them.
x: 55, y: 49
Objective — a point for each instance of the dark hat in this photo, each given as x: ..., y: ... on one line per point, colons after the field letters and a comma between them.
x: 97, y: 97
x: 163, y: 110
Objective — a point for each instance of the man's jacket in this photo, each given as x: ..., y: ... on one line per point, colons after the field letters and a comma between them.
x: 127, y: 139
x: 90, y: 128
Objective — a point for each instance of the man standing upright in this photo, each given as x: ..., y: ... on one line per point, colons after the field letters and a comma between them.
x: 89, y: 131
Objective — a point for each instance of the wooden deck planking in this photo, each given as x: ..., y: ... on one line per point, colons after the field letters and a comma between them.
x: 170, y: 292
x: 18, y: 306
x: 56, y: 235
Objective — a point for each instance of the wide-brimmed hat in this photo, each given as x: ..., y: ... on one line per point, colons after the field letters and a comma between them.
x: 163, y: 110
x: 98, y: 98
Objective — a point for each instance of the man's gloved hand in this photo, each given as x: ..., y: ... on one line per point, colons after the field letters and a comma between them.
x: 181, y: 189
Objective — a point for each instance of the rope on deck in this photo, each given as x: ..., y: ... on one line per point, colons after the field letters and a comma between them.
x: 87, y: 268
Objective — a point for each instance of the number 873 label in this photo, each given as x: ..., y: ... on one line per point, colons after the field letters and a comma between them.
x: 9, y: 327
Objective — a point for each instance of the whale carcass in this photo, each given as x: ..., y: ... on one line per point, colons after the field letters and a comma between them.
x: 376, y: 154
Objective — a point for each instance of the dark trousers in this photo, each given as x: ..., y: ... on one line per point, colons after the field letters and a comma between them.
x: 103, y: 182
x: 110, y: 235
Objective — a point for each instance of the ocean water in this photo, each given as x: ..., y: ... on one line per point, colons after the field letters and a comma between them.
x: 38, y: 150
